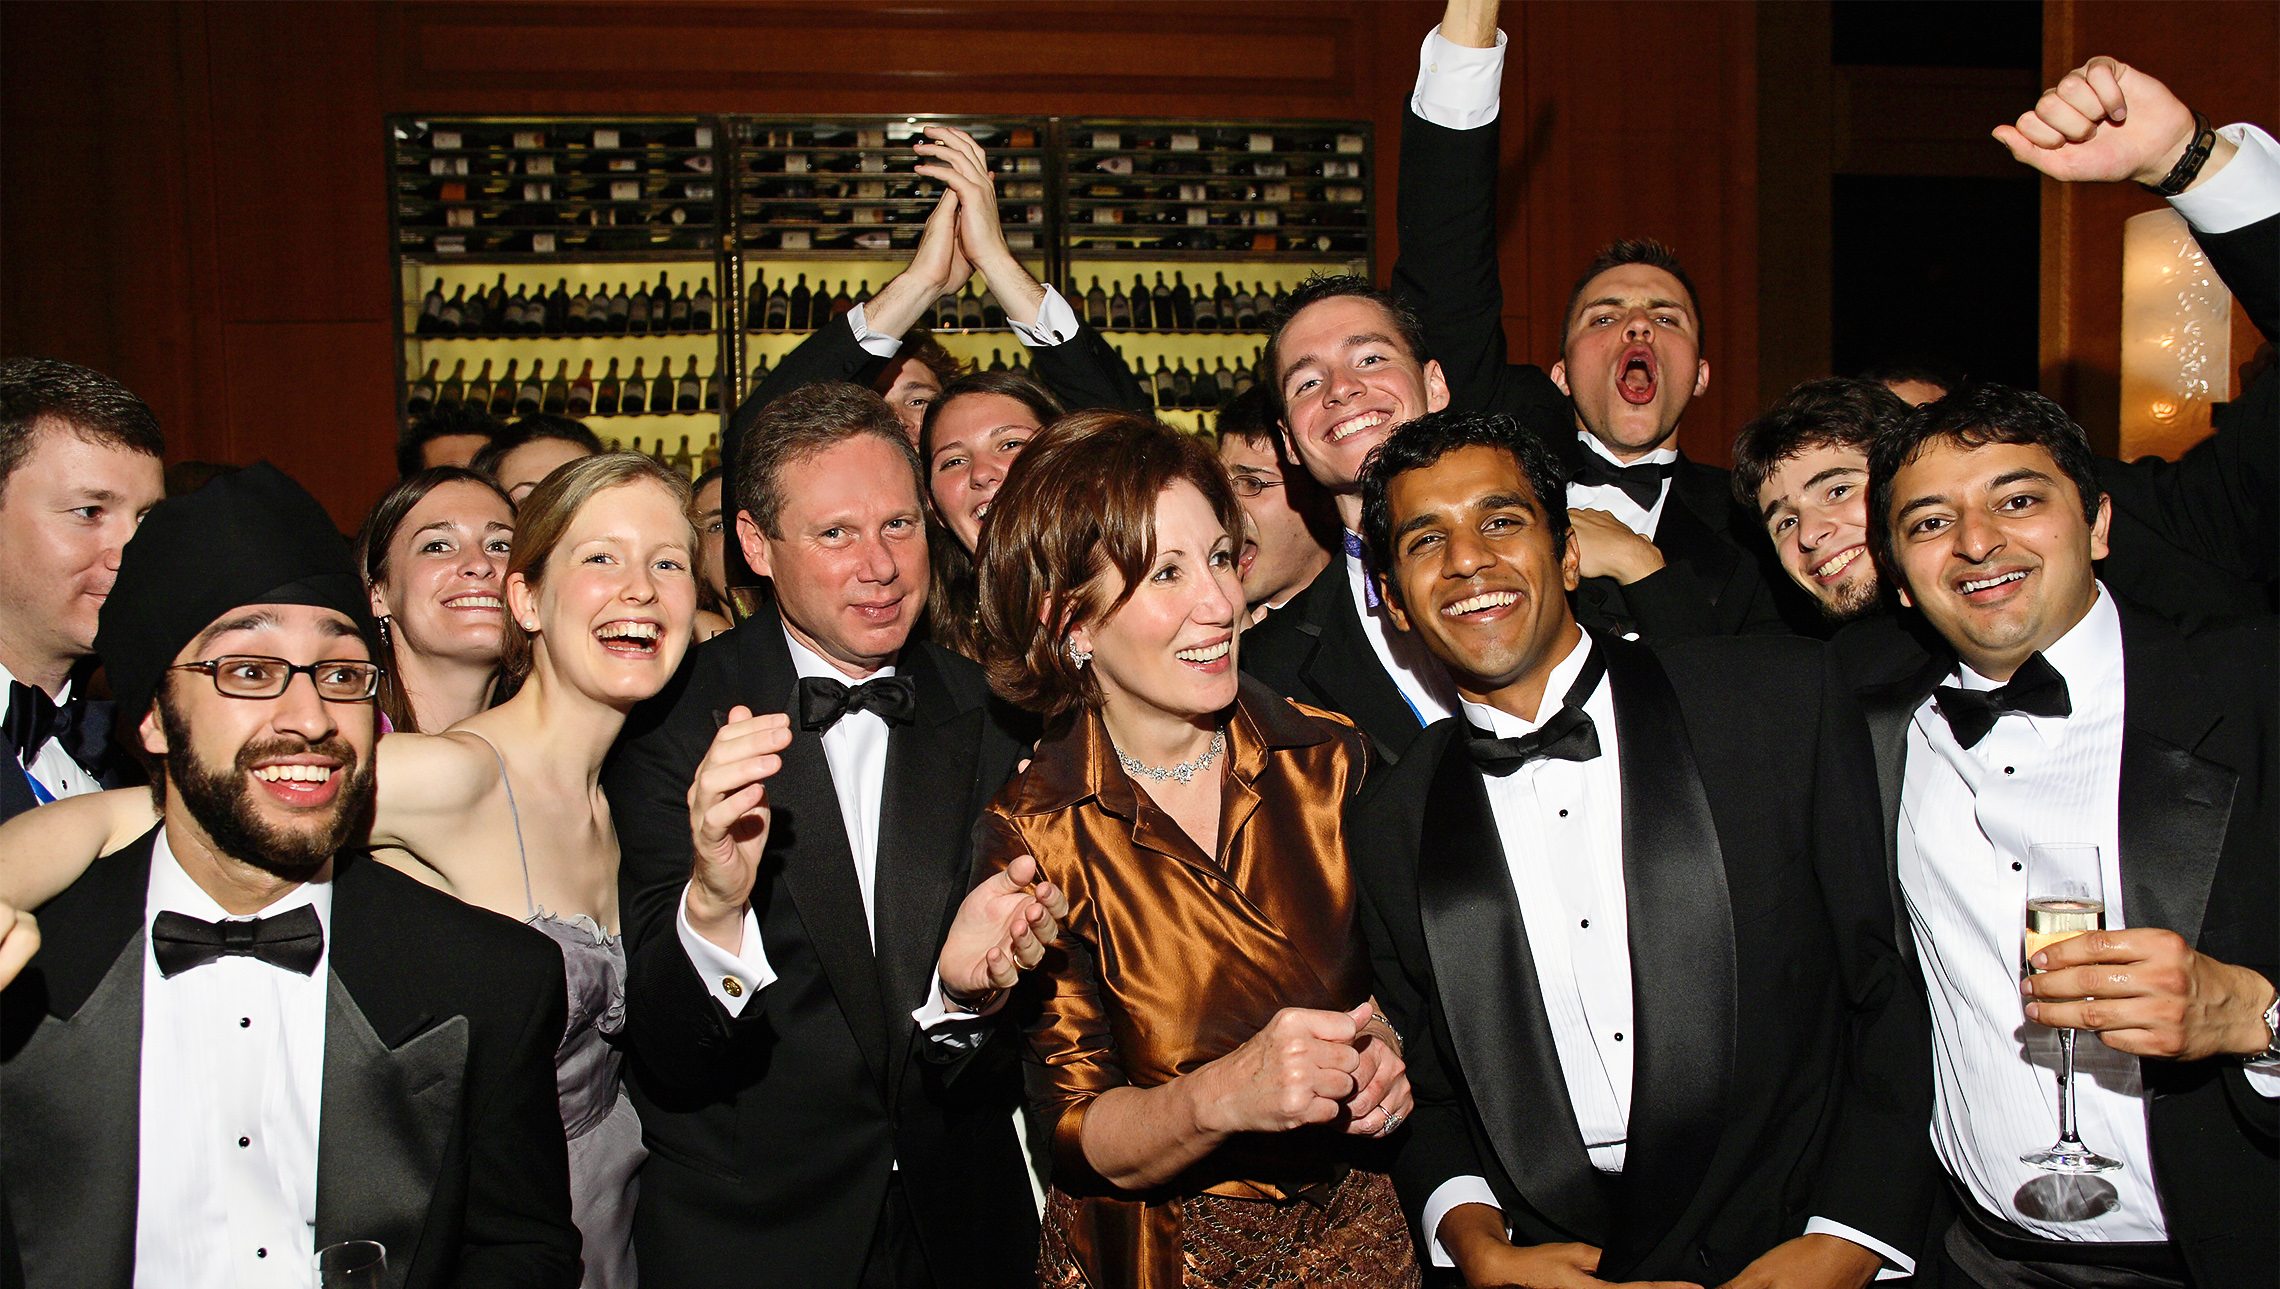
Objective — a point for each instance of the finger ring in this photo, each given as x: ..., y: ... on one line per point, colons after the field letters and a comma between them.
x: 1392, y: 1121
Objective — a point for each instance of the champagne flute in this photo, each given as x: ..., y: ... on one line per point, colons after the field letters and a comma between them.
x: 2066, y: 896
x: 352, y: 1264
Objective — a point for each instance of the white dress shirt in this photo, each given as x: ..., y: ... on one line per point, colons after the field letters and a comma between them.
x: 1967, y: 818
x: 2245, y: 191
x: 1056, y: 324
x: 1458, y: 87
x: 1561, y: 827
x: 1424, y: 683
x: 53, y: 770
x: 855, y: 750
x: 1614, y: 500
x: 233, y: 1058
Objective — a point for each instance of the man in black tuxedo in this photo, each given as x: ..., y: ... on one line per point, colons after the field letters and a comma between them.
x: 815, y: 1113
x: 243, y: 1043
x: 2048, y: 710
x: 1657, y: 532
x: 1627, y: 908
x: 80, y: 463
x: 2190, y: 538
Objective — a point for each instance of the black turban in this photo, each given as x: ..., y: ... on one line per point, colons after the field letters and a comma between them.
x: 253, y: 537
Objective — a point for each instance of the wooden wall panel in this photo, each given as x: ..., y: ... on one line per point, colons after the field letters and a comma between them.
x: 303, y: 396
x: 2225, y: 61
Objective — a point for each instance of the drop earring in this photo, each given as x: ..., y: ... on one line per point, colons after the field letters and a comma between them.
x: 1078, y: 656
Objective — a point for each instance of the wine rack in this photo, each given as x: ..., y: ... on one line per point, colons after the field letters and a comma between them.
x: 579, y: 245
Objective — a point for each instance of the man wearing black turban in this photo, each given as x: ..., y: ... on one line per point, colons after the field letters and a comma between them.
x: 245, y: 1042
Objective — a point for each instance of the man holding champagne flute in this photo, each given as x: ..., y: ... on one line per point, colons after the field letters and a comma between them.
x: 2107, y: 775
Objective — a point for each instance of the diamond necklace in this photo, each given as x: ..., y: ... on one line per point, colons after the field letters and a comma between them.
x: 1184, y: 771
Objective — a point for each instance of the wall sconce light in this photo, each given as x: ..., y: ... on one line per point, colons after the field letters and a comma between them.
x: 2176, y: 337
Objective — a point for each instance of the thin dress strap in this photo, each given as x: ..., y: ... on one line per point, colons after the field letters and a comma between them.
x: 516, y: 815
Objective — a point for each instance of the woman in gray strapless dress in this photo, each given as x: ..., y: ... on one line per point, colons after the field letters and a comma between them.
x: 605, y: 1136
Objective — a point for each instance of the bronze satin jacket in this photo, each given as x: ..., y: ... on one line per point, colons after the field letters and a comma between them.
x: 1172, y: 957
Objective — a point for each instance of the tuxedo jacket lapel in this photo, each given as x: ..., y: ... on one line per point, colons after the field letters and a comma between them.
x: 819, y: 873
x: 1344, y: 668
x: 1494, y: 1003
x: 1689, y: 531
x: 70, y: 1141
x: 1682, y: 954
x: 2174, y: 805
x: 922, y: 847
x: 388, y: 1113
x: 16, y: 794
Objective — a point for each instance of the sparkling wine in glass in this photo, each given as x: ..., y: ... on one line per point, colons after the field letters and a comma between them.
x: 352, y: 1264
x: 2066, y: 896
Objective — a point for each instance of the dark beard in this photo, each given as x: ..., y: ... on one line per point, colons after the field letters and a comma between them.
x: 221, y: 801
x: 1855, y: 603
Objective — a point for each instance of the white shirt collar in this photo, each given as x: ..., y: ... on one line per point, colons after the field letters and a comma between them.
x: 1660, y: 456
x: 173, y: 890
x: 808, y: 663
x: 1503, y: 724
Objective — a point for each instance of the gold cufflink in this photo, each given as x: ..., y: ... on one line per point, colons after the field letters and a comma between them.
x: 731, y: 986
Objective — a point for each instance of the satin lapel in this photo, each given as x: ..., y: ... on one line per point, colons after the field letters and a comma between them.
x: 1494, y: 1004
x: 16, y: 795
x: 2174, y: 805
x: 810, y: 839
x: 1687, y: 533
x: 1345, y: 670
x: 1889, y: 709
x: 923, y: 855
x: 70, y: 1140
x: 386, y: 1120
x: 1682, y: 954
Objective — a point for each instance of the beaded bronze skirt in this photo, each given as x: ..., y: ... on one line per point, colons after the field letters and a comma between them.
x: 1355, y: 1237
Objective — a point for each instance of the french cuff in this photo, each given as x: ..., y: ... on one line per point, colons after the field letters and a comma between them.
x: 731, y: 978
x: 1458, y: 87
x: 937, y: 1009
x: 874, y: 344
x: 1056, y: 323
x: 1446, y: 1196
x: 2263, y: 1078
x: 1896, y: 1263
x: 2245, y: 191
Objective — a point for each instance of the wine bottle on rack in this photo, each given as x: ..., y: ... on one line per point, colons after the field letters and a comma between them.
x: 993, y: 313
x: 582, y: 391
x: 711, y: 459
x: 676, y: 311
x: 1243, y: 378
x: 779, y: 308
x: 509, y: 321
x: 716, y: 388
x: 1162, y: 381
x: 634, y: 398
x: 682, y: 461
x: 756, y: 302
x: 997, y: 360
x: 453, y: 312
x: 637, y: 310
x: 495, y: 308
x: 588, y: 314
x: 841, y: 302
x: 532, y: 392
x: 661, y: 389
x: 801, y: 315
x: 1096, y: 304
x: 1183, y: 303
x: 1223, y: 378
x: 1222, y: 306
x: 555, y: 399
x: 471, y: 318
x: 1183, y: 386
x: 970, y: 309
x: 533, y: 319
x: 946, y: 311
x: 759, y: 372
x: 1119, y: 308
x: 503, y: 393
x: 453, y: 392
x: 1206, y: 310
x: 618, y: 317
x: 689, y: 394
x: 420, y: 399
x: 607, y: 391
x: 863, y: 292
x: 1282, y: 299
x: 661, y: 305
x: 558, y: 308
x: 701, y: 306
x: 479, y: 389
x: 1246, y: 308
x: 1163, y: 316
x: 431, y: 311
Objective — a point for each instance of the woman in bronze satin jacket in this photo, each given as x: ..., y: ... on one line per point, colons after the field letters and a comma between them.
x: 1204, y: 1052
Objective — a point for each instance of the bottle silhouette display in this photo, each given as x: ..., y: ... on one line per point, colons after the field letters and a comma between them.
x: 633, y: 399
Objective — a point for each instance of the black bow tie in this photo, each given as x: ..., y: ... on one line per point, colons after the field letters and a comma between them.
x: 2036, y: 689
x: 1642, y: 483
x: 34, y: 718
x: 824, y: 700
x: 1568, y: 736
x: 294, y: 941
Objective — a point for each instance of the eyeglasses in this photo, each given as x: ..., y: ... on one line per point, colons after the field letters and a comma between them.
x: 1251, y: 485
x: 253, y: 676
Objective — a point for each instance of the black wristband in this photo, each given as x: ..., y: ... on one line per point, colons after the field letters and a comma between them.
x: 2188, y: 167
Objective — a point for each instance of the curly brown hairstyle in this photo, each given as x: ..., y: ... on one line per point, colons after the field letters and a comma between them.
x: 1078, y: 504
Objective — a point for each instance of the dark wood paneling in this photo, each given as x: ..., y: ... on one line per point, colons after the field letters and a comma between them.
x: 308, y: 397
